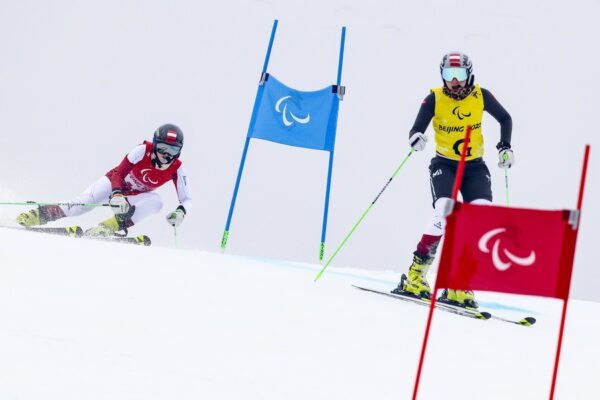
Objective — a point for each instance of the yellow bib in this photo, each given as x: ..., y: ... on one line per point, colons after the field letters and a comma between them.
x: 451, y: 120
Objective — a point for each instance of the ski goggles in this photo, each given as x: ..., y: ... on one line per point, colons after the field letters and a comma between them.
x: 450, y: 73
x: 168, y: 149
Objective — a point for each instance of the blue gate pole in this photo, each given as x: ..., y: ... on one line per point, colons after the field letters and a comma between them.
x: 341, y: 61
x: 326, y: 211
x: 252, y: 120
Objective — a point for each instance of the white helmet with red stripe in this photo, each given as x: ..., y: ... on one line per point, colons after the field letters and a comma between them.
x: 168, y: 141
x: 456, y: 59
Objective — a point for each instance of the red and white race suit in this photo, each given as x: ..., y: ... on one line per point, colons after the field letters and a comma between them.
x: 137, y: 177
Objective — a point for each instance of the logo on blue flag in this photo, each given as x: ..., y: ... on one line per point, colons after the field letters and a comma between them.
x: 288, y: 116
x: 284, y: 112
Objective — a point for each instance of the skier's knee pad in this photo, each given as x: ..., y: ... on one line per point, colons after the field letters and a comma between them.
x: 482, y: 202
x: 442, y: 207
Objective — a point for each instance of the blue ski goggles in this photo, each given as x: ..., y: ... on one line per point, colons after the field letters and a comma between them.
x: 459, y: 73
x: 168, y: 149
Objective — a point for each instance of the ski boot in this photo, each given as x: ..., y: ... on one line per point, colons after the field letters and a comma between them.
x: 114, y: 226
x: 460, y: 298
x: 40, y: 216
x: 104, y: 228
x: 415, y: 284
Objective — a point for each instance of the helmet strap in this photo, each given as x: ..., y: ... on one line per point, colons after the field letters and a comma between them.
x: 471, y: 80
x: 156, y: 161
x: 158, y: 164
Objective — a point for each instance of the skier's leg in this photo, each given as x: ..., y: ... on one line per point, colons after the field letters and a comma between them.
x: 481, y: 202
x: 40, y: 216
x: 415, y: 282
x: 441, y: 178
x: 146, y: 204
x: 477, y: 184
x: 142, y: 206
x: 436, y: 228
x: 98, y: 192
x: 476, y: 189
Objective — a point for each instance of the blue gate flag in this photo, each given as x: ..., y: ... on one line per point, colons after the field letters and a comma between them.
x: 295, y: 118
x: 288, y: 116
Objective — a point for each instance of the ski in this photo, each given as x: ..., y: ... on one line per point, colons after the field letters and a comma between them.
x: 141, y: 240
x: 526, y: 321
x: 77, y: 232
x: 72, y: 231
x: 483, y: 315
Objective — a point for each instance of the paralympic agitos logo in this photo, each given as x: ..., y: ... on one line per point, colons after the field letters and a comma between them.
x: 290, y: 103
x: 495, y: 250
x: 460, y: 115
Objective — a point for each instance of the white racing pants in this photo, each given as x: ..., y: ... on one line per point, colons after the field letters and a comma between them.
x: 437, y: 226
x: 145, y: 204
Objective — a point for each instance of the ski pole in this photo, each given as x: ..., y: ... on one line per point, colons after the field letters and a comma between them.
x: 505, y: 158
x: 175, y: 236
x: 506, y: 185
x: 37, y: 203
x: 363, y: 216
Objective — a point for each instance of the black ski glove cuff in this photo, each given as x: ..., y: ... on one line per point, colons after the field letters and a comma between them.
x: 502, y: 146
x: 182, y: 208
x: 114, y: 192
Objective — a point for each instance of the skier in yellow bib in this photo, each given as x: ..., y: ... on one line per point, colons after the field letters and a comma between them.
x: 451, y: 108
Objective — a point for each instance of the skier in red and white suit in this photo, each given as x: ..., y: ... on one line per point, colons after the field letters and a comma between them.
x: 129, y: 187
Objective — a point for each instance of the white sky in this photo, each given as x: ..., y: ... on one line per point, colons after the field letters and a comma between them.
x: 82, y: 83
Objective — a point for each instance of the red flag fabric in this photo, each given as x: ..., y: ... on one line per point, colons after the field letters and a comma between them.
x: 510, y: 250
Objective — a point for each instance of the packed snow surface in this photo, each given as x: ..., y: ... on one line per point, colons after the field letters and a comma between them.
x: 83, y: 319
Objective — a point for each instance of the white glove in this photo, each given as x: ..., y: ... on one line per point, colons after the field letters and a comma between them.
x: 175, y: 218
x: 506, y: 158
x: 417, y: 141
x: 118, y: 202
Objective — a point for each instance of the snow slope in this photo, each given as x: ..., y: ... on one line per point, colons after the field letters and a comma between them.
x: 92, y: 320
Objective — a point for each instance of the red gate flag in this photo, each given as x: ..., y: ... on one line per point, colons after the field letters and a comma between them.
x: 510, y: 250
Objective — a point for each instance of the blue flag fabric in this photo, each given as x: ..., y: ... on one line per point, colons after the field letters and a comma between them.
x: 288, y: 116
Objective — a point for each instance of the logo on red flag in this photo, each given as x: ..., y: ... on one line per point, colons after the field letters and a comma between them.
x: 495, y: 251
x: 500, y: 249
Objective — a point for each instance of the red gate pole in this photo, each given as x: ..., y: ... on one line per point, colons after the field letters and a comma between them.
x: 566, y: 299
x: 457, y: 183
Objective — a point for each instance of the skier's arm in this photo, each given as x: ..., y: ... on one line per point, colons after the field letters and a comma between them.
x: 117, y: 175
x: 182, y: 185
x: 492, y: 106
x: 424, y: 116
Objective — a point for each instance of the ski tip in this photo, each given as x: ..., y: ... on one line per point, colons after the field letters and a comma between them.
x: 74, y: 231
x: 527, y: 321
x: 483, y: 315
x: 143, y: 240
